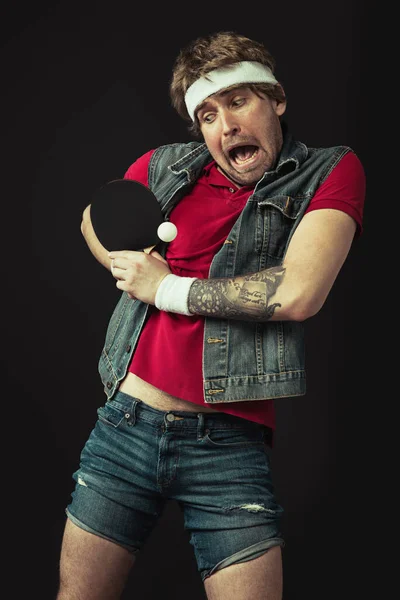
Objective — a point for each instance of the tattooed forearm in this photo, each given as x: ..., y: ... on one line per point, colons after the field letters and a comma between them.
x: 245, y: 297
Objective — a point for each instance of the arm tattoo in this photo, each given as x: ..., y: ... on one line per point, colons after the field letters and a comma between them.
x: 245, y: 297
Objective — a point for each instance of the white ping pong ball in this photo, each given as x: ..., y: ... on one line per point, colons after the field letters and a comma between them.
x: 167, y: 231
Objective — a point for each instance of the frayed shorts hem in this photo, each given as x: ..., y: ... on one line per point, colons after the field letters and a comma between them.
x: 81, y: 525
x: 253, y: 551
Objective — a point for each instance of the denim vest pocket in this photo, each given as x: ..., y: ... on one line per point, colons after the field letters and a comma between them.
x: 276, y: 218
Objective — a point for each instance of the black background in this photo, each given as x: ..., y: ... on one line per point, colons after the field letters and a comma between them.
x: 85, y: 92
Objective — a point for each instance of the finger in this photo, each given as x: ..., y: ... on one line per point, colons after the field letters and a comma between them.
x: 120, y: 263
x: 116, y: 271
x: 122, y: 285
x: 114, y: 266
x: 121, y: 253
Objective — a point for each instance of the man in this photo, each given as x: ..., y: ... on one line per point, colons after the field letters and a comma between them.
x: 209, y: 332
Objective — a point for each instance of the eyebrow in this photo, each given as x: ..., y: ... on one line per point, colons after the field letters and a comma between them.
x: 219, y: 94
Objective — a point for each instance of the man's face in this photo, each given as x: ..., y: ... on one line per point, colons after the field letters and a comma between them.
x: 242, y: 132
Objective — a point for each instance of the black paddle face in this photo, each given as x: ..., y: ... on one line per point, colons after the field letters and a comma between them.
x: 125, y: 215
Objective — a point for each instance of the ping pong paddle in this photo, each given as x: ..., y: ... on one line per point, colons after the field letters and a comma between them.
x: 126, y: 215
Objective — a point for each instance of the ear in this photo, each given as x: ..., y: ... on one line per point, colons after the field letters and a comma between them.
x: 280, y: 105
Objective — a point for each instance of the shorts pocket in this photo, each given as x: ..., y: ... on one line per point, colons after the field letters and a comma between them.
x: 113, y: 414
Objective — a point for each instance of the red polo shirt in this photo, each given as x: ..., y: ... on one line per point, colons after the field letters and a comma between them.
x: 169, y: 351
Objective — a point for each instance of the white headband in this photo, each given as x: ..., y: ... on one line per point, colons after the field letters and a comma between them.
x: 214, y: 81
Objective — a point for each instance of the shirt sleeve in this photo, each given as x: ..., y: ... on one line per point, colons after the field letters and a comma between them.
x: 139, y: 169
x: 344, y: 189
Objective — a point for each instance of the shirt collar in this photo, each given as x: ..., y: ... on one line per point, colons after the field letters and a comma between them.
x: 216, y: 178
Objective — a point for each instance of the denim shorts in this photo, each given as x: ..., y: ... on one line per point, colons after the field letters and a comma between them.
x: 215, y: 466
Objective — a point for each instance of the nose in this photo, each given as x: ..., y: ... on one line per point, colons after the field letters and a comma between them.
x: 230, y: 125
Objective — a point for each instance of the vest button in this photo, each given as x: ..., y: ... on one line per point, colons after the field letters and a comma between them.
x: 128, y: 348
x: 109, y: 385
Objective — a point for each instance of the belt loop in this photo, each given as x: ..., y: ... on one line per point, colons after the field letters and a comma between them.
x: 132, y: 420
x: 200, y: 425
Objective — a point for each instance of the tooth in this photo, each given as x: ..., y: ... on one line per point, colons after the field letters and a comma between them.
x: 247, y: 159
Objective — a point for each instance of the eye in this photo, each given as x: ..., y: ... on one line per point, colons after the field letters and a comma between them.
x: 207, y: 118
x: 238, y: 101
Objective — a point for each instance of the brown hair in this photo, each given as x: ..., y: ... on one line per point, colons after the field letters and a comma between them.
x: 211, y: 52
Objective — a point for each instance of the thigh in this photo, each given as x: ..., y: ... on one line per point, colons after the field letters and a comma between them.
x: 92, y: 567
x: 258, y: 579
x: 229, y: 503
x: 116, y: 495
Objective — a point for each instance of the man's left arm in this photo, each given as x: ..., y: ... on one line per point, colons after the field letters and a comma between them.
x: 294, y: 291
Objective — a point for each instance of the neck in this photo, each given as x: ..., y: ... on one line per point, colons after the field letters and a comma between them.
x: 227, y: 176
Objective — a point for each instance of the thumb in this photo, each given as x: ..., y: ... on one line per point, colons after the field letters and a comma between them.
x: 158, y: 256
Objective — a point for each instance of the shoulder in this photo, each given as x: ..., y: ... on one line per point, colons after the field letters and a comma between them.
x: 138, y: 170
x: 161, y: 156
x: 174, y: 152
x: 345, y: 166
x: 343, y: 188
x: 332, y: 157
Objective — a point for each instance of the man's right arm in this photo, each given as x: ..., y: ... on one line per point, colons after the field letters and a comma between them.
x: 95, y: 247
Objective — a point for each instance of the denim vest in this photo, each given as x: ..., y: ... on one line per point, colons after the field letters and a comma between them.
x: 242, y: 360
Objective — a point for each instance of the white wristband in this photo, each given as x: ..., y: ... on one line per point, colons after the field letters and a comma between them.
x: 173, y: 293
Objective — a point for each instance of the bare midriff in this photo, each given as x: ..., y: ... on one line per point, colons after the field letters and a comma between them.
x: 147, y: 393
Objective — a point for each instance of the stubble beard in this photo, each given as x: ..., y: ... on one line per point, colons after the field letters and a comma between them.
x: 250, y: 177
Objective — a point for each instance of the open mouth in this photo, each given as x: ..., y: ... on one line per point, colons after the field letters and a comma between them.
x: 243, y: 154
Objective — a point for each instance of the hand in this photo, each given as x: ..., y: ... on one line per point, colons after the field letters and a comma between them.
x: 139, y: 274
